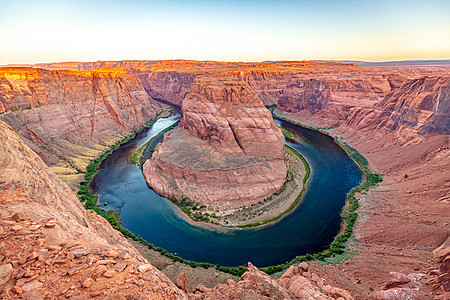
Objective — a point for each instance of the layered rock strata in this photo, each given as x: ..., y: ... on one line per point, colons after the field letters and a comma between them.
x: 70, y: 117
x: 227, y: 152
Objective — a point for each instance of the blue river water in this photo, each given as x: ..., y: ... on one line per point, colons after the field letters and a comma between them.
x: 310, y: 228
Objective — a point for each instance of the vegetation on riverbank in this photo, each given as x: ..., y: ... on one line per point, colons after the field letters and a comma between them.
x: 338, y: 246
x: 297, y: 199
x: 199, y: 213
x: 146, y: 151
x: 90, y: 202
x: 349, y: 214
x: 285, y: 132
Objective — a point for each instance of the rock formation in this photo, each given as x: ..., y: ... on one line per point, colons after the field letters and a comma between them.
x: 228, y: 152
x: 51, y: 247
x: 440, y: 281
x: 169, y: 86
x: 420, y: 105
x: 296, y: 283
x: 70, y: 117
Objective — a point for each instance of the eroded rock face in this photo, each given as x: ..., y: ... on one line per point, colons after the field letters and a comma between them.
x: 227, y: 153
x: 50, y: 108
x: 168, y: 86
x: 440, y: 281
x: 419, y: 106
x: 399, y: 286
x: 51, y: 246
x: 230, y: 115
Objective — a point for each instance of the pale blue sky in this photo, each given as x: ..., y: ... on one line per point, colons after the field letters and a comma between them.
x: 46, y: 31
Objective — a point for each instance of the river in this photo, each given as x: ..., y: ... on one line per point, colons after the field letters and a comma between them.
x: 308, y: 229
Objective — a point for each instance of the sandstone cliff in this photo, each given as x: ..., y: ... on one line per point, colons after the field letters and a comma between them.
x: 169, y: 86
x: 69, y: 117
x: 228, y: 152
x: 406, y: 216
x: 421, y: 105
x: 52, y: 247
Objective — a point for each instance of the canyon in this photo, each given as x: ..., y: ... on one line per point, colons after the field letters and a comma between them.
x: 69, y: 113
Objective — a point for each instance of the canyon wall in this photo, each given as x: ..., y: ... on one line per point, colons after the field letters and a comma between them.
x: 405, y: 137
x: 168, y: 86
x: 420, y: 105
x: 52, y: 248
x: 70, y: 117
x: 228, y: 152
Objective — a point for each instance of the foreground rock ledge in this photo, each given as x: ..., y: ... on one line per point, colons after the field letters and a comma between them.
x: 228, y: 152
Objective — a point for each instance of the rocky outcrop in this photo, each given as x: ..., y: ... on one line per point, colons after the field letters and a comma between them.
x: 227, y: 153
x: 399, y: 286
x: 296, y: 283
x: 51, y: 247
x: 418, y: 106
x: 228, y: 114
x: 397, y: 118
x: 440, y: 281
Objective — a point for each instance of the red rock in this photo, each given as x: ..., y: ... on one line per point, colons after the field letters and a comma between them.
x: 202, y: 289
x: 87, y: 282
x: 17, y: 290
x: 99, y: 271
x: 109, y: 273
x: 77, y: 269
x: 54, y: 248
x: 19, y: 216
x: 50, y: 224
x: 443, y: 250
x: 303, y: 266
x: 145, y: 267
x: 113, y: 253
x: 80, y: 252
x: 120, y: 266
x: 34, y: 227
x: 392, y: 294
x: 410, y: 214
x: 34, y: 284
x: 105, y: 262
x: 337, y: 293
x: 115, y: 296
x: 182, y: 283
x: 5, y: 274
x: 396, y: 279
x: 16, y: 228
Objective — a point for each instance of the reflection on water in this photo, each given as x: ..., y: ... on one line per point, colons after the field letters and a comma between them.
x: 309, y: 228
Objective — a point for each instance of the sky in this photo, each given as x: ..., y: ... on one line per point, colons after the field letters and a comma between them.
x: 376, y: 30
